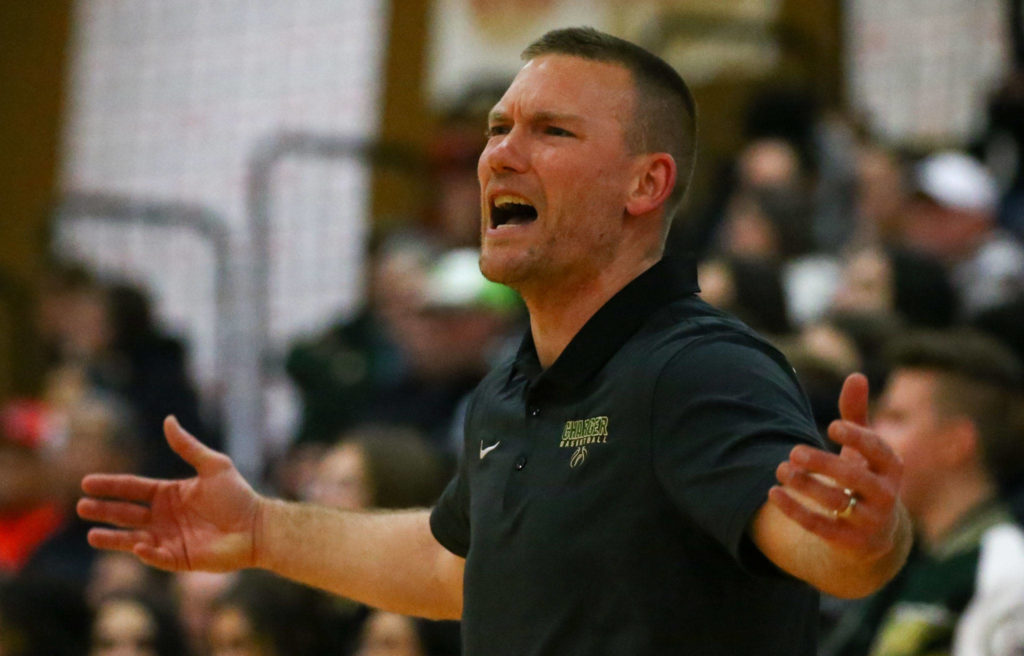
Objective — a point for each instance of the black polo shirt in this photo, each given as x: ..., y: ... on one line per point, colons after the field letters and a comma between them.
x: 602, y: 504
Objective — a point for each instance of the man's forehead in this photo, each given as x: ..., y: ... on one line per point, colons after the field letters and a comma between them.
x: 914, y: 380
x: 557, y: 83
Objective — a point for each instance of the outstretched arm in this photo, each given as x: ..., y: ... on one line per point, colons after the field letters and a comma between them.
x: 215, y: 521
x: 809, y: 527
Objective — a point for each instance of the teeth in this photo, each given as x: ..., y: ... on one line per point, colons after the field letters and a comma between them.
x: 503, y: 200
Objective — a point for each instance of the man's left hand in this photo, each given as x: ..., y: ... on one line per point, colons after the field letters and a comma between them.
x: 851, y: 500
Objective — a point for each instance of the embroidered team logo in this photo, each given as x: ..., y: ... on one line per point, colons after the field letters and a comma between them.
x: 580, y: 433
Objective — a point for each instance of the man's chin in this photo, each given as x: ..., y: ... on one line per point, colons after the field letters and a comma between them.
x: 500, y: 269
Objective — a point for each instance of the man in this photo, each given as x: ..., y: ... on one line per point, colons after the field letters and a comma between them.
x: 953, y: 217
x: 612, y: 496
x: 29, y: 513
x: 946, y: 411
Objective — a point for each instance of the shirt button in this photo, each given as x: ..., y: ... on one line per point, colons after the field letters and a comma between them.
x: 534, y: 411
x: 520, y: 463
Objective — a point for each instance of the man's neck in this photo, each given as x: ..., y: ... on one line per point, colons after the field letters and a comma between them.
x: 558, y: 312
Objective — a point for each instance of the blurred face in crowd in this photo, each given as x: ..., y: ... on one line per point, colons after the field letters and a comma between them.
x: 946, y: 233
x: 341, y: 480
x: 555, y: 173
x: 881, y: 193
x: 196, y: 592
x: 832, y: 346
x: 73, y: 319
x: 866, y: 284
x: 232, y: 634
x: 747, y: 231
x: 115, y: 572
x: 910, y: 421
x: 769, y: 163
x: 387, y: 634
x: 123, y: 628
x: 397, y: 281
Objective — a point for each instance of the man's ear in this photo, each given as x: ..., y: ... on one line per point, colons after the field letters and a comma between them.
x: 653, y: 182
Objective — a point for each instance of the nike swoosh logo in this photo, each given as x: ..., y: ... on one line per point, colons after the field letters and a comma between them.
x: 484, y: 452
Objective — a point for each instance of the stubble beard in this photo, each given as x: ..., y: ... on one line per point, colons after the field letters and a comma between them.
x: 508, y: 268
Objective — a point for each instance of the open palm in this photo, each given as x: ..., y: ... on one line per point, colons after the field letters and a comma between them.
x: 205, y: 523
x: 865, y: 480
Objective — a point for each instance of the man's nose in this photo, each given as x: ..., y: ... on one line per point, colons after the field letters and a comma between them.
x: 507, y: 153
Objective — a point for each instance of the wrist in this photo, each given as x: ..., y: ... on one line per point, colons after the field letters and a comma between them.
x: 262, y: 520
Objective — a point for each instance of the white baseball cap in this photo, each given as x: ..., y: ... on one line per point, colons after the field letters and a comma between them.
x: 957, y: 181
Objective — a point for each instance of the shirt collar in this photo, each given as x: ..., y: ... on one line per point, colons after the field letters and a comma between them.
x: 605, y: 332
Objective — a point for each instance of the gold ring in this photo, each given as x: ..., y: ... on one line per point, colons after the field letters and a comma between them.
x: 851, y: 503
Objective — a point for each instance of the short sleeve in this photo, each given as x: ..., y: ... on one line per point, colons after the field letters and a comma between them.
x: 726, y: 411
x: 449, y: 519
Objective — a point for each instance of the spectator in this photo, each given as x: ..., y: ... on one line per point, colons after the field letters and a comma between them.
x: 882, y: 197
x: 769, y: 213
x: 136, y: 625
x: 68, y: 314
x: 147, y: 368
x: 1004, y: 147
x: 340, y: 371
x: 195, y: 594
x: 110, y: 343
x: 263, y: 615
x: 96, y: 432
x: 389, y: 634
x: 870, y: 333
x: 822, y: 356
x: 29, y: 513
x: 912, y: 286
x: 769, y: 216
x: 460, y: 329
x: 943, y: 411
x: 748, y: 287
x: 116, y: 573
x: 378, y: 467
x: 953, y: 217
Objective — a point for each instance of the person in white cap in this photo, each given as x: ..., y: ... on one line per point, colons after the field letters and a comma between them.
x: 954, y: 218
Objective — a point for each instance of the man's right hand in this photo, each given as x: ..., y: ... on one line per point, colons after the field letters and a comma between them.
x: 208, y: 522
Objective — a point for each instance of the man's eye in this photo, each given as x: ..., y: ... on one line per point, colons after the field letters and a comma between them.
x: 557, y: 132
x: 495, y: 130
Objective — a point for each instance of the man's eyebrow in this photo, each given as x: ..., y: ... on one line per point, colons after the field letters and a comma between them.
x: 556, y: 117
x: 498, y: 116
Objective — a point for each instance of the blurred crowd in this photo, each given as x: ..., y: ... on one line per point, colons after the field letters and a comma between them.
x: 839, y: 248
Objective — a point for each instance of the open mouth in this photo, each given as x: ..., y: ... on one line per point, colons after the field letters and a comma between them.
x: 511, y: 210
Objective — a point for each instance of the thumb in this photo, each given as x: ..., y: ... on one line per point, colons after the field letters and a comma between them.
x: 191, y: 450
x: 853, y: 399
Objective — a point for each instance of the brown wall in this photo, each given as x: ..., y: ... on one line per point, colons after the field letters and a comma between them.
x: 405, y: 118
x: 33, y: 56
